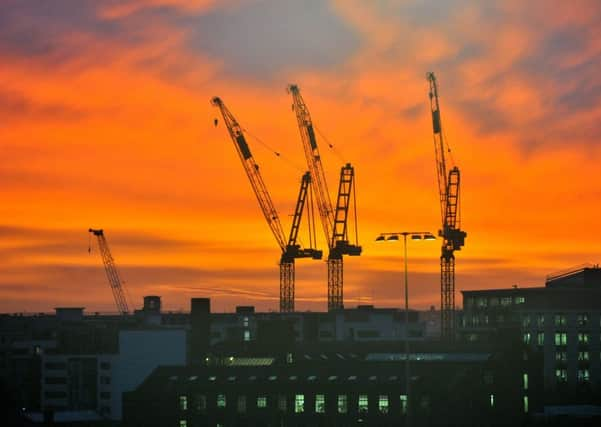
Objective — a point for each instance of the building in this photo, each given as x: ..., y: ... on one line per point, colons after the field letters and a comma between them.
x: 339, y: 384
x: 561, y: 321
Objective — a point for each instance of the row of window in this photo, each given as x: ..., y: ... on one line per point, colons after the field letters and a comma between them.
x: 582, y: 375
x: 319, y: 407
x: 559, y: 320
x: 561, y: 338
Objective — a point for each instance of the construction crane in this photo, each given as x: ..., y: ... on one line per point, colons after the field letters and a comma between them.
x: 453, y: 238
x: 290, y: 248
x: 111, y: 272
x: 333, y: 221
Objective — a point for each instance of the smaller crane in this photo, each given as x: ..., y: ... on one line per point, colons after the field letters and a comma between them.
x: 111, y: 272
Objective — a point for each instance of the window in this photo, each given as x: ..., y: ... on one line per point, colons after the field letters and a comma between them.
x: 583, y: 356
x: 582, y: 319
x: 105, y: 380
x: 561, y: 356
x: 560, y: 320
x: 105, y: 365
x: 246, y: 335
x: 561, y: 375
x: 221, y: 401
x: 583, y: 375
x: 342, y: 404
x: 492, y: 400
x: 540, y: 320
x: 363, y: 403
x: 55, y: 380
x: 262, y: 402
x: 200, y: 402
x: 525, y: 381
x: 525, y: 320
x: 105, y: 394
x: 561, y: 338
x: 55, y: 394
x: 482, y: 302
x: 320, y: 404
x: 526, y: 337
x: 55, y: 365
x: 241, y: 404
x: 540, y: 338
x: 403, y: 404
x: 299, y: 403
x: 183, y: 423
x: 383, y: 404
x: 282, y: 403
x: 505, y: 301
x: 494, y: 301
x: 525, y: 403
x: 183, y: 403
x: 520, y: 300
x: 245, y: 321
x: 582, y: 338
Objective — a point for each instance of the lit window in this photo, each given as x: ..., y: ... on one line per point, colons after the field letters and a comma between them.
x: 245, y: 321
x: 246, y: 335
x: 520, y: 300
x: 342, y: 404
x: 383, y: 404
x: 582, y: 319
x: 221, y: 400
x: 403, y: 404
x: 525, y: 403
x: 525, y: 381
x: 241, y: 404
x: 561, y: 338
x: 582, y: 338
x: 282, y: 403
x: 183, y: 423
x: 526, y: 337
x: 183, y: 403
x: 583, y: 375
x: 261, y: 402
x: 561, y: 375
x: 320, y: 404
x: 560, y: 320
x: 583, y: 356
x: 299, y: 403
x: 482, y: 302
x: 492, y: 400
x: 363, y: 403
x: 540, y: 320
x: 540, y: 338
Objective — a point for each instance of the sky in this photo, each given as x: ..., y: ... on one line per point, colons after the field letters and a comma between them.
x: 106, y: 122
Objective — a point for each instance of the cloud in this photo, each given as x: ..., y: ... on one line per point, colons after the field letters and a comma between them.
x: 265, y: 38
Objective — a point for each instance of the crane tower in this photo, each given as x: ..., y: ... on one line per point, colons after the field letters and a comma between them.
x: 111, y: 272
x: 453, y: 238
x: 290, y: 248
x: 333, y: 220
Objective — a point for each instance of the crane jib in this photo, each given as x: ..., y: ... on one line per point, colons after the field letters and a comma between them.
x: 243, y: 146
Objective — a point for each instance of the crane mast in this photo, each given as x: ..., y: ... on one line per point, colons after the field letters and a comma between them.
x: 290, y: 248
x: 334, y: 221
x: 111, y: 272
x: 453, y: 238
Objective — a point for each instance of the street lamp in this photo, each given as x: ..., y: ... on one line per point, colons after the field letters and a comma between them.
x: 415, y: 235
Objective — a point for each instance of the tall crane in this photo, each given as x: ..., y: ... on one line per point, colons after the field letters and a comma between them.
x: 333, y: 220
x: 111, y: 272
x: 453, y: 238
x: 290, y: 248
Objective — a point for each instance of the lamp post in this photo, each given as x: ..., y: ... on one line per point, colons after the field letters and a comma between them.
x: 415, y: 235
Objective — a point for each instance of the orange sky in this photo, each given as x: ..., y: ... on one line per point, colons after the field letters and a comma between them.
x: 105, y: 122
